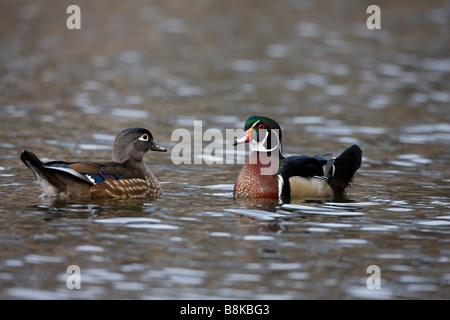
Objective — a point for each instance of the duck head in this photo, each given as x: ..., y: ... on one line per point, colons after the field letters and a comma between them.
x: 263, y: 134
x: 133, y: 143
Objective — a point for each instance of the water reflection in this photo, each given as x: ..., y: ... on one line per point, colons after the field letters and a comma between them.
x: 92, y: 207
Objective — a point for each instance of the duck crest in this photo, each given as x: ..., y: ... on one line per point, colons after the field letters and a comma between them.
x: 255, y: 180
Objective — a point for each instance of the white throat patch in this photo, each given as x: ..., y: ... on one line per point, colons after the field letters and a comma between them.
x: 260, y: 146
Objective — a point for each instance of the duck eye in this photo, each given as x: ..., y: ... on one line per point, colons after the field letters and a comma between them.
x: 261, y: 126
x: 144, y: 137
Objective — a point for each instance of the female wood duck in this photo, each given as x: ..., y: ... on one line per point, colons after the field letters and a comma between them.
x: 268, y: 173
x: 127, y: 176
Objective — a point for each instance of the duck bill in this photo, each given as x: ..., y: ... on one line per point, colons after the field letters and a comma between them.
x: 246, y: 137
x: 155, y: 147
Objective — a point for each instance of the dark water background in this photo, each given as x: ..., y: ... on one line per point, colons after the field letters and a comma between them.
x: 312, y: 65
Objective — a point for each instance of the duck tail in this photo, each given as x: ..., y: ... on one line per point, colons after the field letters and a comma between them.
x: 50, y: 184
x: 344, y: 167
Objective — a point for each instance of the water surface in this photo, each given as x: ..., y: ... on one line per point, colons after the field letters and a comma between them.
x: 312, y: 65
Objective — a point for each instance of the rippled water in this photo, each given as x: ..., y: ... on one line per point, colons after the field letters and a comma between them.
x: 312, y: 65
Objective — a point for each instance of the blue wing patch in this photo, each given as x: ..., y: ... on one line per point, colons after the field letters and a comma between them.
x: 94, y: 178
x: 102, y: 176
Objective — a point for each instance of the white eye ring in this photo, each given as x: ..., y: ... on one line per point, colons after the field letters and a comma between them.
x: 144, y: 137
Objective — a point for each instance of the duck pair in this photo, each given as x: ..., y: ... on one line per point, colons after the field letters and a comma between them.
x: 268, y: 173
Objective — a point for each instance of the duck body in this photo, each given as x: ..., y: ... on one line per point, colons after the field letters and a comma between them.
x: 127, y: 176
x: 318, y: 176
x: 295, y: 177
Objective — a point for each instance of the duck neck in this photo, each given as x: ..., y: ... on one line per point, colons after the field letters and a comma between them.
x: 266, y: 162
x: 138, y: 164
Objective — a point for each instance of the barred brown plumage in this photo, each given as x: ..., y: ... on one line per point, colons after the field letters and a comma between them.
x: 127, y: 188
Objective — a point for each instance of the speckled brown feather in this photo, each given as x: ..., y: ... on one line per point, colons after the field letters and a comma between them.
x: 252, y: 184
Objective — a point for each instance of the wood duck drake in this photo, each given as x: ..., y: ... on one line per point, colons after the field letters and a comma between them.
x: 126, y: 176
x: 268, y: 173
